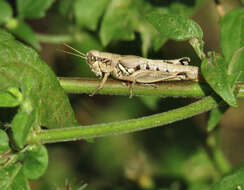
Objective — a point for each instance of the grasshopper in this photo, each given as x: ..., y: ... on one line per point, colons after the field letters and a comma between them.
x: 136, y: 69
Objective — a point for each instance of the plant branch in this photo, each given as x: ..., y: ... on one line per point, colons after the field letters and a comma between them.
x: 85, y: 132
x: 164, y: 89
x: 55, y: 39
x: 173, y: 89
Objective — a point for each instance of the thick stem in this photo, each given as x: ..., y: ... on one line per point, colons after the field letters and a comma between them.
x: 164, y: 89
x: 85, y: 132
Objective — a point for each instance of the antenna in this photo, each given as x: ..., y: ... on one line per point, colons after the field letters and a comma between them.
x: 77, y: 55
x: 79, y: 52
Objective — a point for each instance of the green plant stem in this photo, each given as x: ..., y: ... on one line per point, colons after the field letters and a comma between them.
x: 55, y: 39
x: 166, y: 89
x: 85, y: 132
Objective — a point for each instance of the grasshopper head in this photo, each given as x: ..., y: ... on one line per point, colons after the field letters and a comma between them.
x: 92, y: 58
x: 93, y: 61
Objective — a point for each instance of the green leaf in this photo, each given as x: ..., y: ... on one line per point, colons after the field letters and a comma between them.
x: 20, y: 182
x: 24, y: 32
x: 231, y: 181
x: 6, y: 11
x: 125, y: 17
x: 159, y: 41
x: 11, y: 178
x: 117, y: 22
x: 4, y: 142
x: 65, y: 6
x: 236, y: 65
x: 88, y: 13
x: 198, y: 47
x: 178, y: 28
x: 214, y: 72
x: 4, y: 36
x: 22, y: 123
x: 10, y: 97
x: 232, y: 42
x: 215, y: 115
x: 33, y: 9
x: 174, y: 8
x: 147, y: 33
x: 175, y: 27
x: 232, y: 32
x: 21, y: 67
x: 8, y: 100
x: 35, y: 161
x: 7, y: 175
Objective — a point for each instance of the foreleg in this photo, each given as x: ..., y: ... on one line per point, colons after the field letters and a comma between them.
x: 106, y: 75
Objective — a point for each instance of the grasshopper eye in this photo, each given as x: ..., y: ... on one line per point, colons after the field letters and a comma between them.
x: 93, y: 58
x: 90, y: 58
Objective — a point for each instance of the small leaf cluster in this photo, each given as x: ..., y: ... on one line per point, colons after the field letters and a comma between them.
x: 26, y: 83
x: 25, y: 10
x: 114, y: 19
x: 221, y: 71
